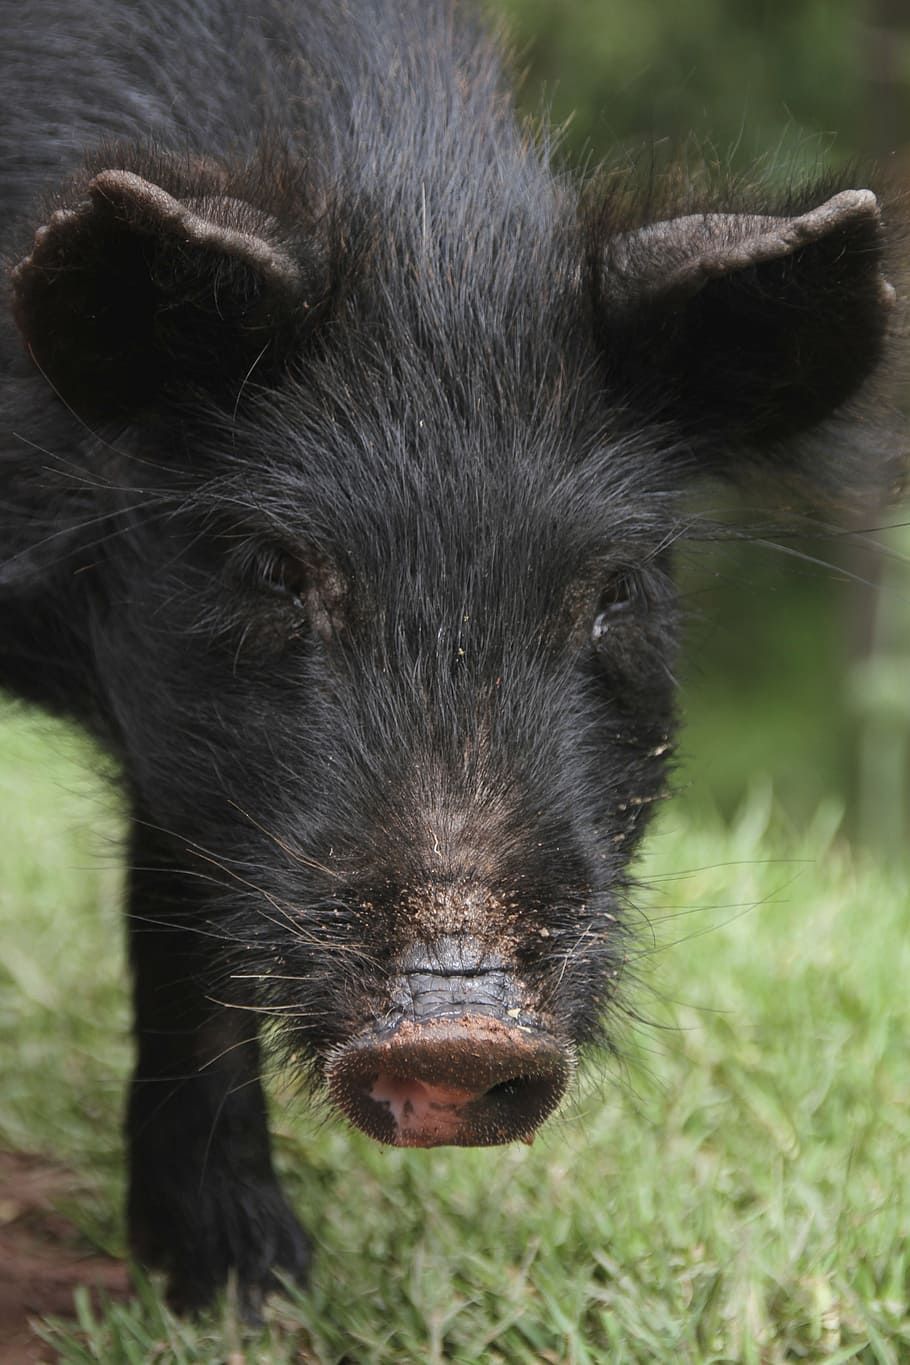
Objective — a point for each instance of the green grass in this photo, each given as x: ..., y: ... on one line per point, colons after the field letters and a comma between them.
x: 734, y: 1189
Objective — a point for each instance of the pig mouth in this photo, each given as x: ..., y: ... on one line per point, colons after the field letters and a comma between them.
x: 472, y: 1081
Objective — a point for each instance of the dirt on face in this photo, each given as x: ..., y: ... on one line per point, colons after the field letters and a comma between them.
x: 43, y: 1256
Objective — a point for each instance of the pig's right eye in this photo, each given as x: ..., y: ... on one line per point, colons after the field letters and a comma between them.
x: 281, y: 575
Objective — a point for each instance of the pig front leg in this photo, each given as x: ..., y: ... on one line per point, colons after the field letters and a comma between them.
x: 204, y: 1201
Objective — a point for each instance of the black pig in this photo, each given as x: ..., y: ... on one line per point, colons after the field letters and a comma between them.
x: 344, y: 446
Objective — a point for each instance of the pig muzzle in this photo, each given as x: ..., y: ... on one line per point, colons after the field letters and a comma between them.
x: 458, y: 1062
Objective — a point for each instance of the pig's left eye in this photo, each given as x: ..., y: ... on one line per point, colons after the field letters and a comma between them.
x: 615, y: 606
x: 605, y: 620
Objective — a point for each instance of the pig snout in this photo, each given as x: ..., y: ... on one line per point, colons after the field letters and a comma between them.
x: 462, y: 1064
x: 474, y: 1081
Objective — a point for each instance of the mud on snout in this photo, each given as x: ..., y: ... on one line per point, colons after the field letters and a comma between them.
x: 459, y: 1060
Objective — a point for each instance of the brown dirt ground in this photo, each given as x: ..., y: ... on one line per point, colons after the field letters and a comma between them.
x: 43, y: 1257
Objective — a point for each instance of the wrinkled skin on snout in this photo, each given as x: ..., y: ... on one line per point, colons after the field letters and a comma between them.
x: 364, y: 447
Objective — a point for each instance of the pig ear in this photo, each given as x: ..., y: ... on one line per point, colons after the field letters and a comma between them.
x: 748, y: 329
x: 133, y: 292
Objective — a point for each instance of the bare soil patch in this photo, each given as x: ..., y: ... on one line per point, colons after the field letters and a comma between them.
x: 43, y: 1256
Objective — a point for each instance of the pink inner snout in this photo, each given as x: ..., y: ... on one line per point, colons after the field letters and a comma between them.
x: 425, y: 1115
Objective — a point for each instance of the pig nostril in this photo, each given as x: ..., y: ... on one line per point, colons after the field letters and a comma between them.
x: 523, y: 1100
x: 507, y: 1089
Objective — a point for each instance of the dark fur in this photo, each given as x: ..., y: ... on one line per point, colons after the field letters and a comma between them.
x: 321, y: 567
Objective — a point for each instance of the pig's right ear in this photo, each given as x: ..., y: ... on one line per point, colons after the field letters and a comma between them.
x: 132, y: 294
x: 745, y: 331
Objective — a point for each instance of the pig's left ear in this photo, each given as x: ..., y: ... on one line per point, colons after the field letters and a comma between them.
x: 747, y: 330
x: 133, y: 293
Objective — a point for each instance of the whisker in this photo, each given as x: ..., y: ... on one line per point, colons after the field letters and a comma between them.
x: 298, y: 857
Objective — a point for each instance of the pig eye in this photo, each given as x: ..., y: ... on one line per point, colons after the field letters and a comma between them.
x: 615, y: 605
x: 283, y: 575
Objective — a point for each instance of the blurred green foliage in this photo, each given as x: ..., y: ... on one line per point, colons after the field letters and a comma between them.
x: 784, y: 675
x: 751, y: 78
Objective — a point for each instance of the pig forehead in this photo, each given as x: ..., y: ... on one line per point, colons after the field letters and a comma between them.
x: 476, y: 544
x: 402, y: 498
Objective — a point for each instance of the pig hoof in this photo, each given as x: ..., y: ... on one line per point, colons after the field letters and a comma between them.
x: 247, y: 1235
